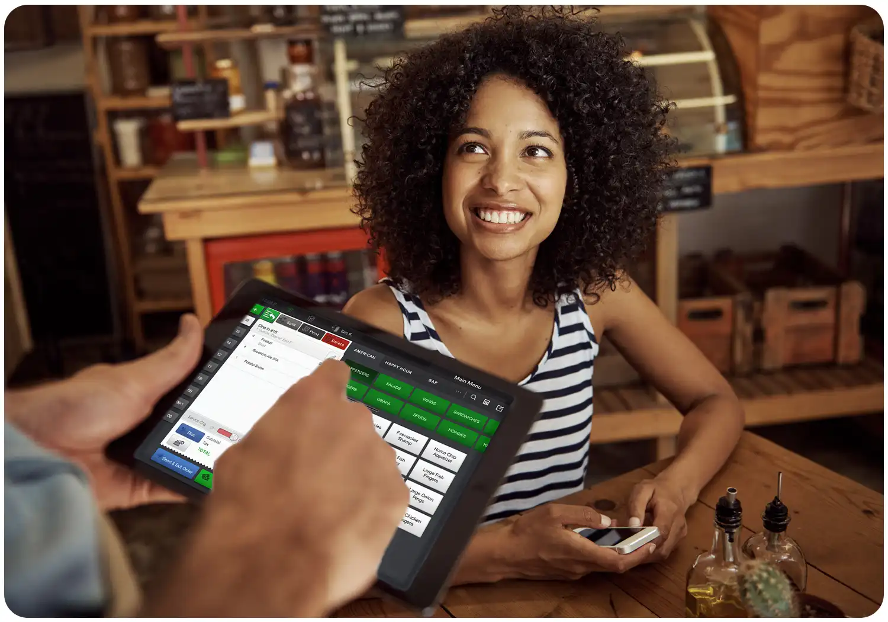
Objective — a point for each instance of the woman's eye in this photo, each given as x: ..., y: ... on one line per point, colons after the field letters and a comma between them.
x: 471, y: 148
x: 538, y: 152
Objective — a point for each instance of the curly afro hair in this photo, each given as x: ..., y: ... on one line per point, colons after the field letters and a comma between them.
x: 609, y: 113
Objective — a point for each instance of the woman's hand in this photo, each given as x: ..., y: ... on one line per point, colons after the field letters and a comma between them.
x: 666, y: 503
x: 541, y: 544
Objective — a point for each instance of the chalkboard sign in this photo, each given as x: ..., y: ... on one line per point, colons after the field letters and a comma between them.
x: 204, y: 99
x: 365, y: 20
x: 688, y: 189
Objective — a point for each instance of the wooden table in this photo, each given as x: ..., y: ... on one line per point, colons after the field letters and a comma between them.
x: 837, y: 522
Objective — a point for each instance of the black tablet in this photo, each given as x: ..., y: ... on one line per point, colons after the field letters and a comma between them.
x: 455, y: 430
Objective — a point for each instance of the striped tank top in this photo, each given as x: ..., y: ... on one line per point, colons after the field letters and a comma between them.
x: 553, y: 460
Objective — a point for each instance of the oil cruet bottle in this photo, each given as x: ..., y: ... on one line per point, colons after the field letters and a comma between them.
x: 773, y: 545
x: 712, y: 590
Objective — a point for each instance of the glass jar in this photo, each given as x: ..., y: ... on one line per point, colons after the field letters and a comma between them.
x: 227, y: 69
x: 128, y: 62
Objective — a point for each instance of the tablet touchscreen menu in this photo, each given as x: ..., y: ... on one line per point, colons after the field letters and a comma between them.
x: 438, y: 423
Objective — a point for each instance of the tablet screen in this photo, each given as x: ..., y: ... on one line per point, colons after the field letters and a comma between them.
x: 438, y: 423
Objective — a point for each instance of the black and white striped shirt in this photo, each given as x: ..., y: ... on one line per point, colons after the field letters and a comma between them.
x: 552, y: 463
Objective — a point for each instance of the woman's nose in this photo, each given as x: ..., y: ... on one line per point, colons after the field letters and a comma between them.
x: 501, y: 176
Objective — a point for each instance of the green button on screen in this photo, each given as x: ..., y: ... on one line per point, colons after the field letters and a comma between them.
x: 383, y: 402
x: 269, y: 315
x: 420, y: 417
x: 482, y: 444
x: 359, y: 372
x: 491, y: 426
x: 356, y: 390
x: 467, y: 417
x: 393, y: 386
x: 204, y: 478
x: 457, y: 433
x: 257, y: 309
x: 431, y: 402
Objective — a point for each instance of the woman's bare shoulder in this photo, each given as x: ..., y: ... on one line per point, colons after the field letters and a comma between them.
x: 377, y: 306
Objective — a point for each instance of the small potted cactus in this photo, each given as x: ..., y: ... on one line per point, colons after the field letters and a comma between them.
x: 767, y: 592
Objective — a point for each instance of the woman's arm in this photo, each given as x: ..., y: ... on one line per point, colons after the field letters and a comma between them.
x: 671, y: 363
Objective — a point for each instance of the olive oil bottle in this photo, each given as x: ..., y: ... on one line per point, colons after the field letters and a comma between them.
x: 712, y: 590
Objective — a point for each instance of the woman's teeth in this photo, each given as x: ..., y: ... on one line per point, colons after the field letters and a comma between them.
x: 509, y: 217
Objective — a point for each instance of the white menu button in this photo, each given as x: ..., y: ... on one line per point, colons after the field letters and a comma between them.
x: 381, y: 424
x: 414, y: 522
x: 405, y: 439
x: 444, y: 456
x: 422, y: 498
x: 432, y: 476
x: 405, y: 461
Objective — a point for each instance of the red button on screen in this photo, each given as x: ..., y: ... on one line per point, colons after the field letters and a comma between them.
x: 224, y: 432
x: 336, y: 342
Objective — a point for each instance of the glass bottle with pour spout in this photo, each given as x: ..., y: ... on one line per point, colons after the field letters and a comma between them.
x: 773, y: 545
x: 711, y: 589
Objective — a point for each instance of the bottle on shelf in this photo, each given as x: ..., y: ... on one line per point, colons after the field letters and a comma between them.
x: 712, y: 590
x: 302, y: 129
x: 773, y: 545
x: 227, y: 69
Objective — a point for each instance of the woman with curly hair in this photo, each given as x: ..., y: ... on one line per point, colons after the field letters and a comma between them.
x: 510, y: 170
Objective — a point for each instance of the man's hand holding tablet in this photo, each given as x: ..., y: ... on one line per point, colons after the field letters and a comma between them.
x: 298, y: 468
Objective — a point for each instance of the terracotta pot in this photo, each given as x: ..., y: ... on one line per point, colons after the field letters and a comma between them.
x: 816, y: 607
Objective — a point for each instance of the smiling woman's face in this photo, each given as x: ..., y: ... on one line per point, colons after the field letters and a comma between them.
x: 505, y: 173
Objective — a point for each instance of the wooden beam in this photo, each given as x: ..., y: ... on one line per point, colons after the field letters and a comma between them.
x: 200, y: 287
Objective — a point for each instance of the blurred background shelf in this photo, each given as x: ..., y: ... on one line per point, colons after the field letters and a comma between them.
x: 801, y: 394
x: 113, y: 102
x: 241, y: 119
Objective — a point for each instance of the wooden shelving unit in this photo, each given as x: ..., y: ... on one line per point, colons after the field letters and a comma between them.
x: 106, y: 103
x: 800, y: 394
x: 115, y: 103
x: 240, y: 119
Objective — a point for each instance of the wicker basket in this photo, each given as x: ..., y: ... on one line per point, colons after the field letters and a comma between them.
x: 865, y: 76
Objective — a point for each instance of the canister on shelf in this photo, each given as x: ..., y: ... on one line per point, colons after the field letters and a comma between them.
x: 128, y: 62
x: 129, y: 134
x: 227, y: 69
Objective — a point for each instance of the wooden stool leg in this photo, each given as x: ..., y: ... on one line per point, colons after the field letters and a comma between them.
x: 667, y: 446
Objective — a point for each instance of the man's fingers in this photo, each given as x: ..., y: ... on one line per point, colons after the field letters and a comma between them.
x: 155, y: 374
x: 638, y: 501
x: 577, y: 515
x: 334, y: 372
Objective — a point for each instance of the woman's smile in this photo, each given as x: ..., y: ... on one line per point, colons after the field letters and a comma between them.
x: 499, y: 218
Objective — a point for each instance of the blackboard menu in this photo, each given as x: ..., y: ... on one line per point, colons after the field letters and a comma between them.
x: 688, y: 189
x: 204, y: 99
x: 365, y: 20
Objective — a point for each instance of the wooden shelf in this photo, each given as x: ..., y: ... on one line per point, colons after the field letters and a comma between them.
x: 136, y: 102
x: 141, y: 27
x: 793, y: 395
x: 240, y: 119
x: 785, y: 169
x: 159, y: 305
x: 169, y: 40
x: 135, y: 174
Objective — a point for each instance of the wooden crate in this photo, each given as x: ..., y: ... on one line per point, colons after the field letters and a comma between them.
x: 804, y: 312
x: 715, y: 312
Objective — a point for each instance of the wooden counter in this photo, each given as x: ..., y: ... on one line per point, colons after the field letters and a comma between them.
x: 838, y: 523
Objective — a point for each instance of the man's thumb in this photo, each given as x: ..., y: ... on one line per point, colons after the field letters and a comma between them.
x: 162, y: 370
